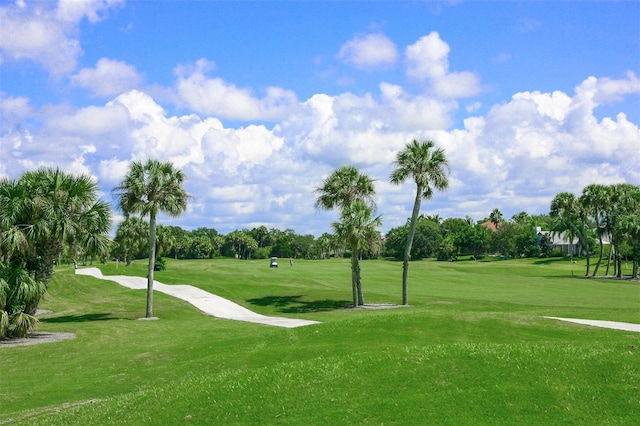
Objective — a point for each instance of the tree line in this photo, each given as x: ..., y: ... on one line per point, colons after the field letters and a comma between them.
x: 47, y: 216
x: 600, y: 213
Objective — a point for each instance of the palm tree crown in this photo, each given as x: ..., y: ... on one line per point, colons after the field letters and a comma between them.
x: 151, y: 188
x: 343, y: 187
x: 426, y: 164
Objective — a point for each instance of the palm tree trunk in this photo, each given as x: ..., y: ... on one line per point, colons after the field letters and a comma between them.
x: 359, y: 284
x: 588, y: 258
x: 595, y: 270
x: 582, y: 237
x: 152, y: 262
x: 407, y: 249
x: 611, y: 250
x: 354, y: 278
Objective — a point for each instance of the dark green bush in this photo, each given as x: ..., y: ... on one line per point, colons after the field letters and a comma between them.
x: 160, y: 264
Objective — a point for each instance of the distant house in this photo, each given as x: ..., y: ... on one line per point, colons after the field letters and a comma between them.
x: 489, y: 225
x: 569, y: 246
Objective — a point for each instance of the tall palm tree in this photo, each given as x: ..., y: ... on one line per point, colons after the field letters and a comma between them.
x: 353, y: 193
x: 358, y: 228
x: 428, y: 166
x: 151, y: 188
x: 623, y: 213
x: 594, y: 199
x: 629, y: 227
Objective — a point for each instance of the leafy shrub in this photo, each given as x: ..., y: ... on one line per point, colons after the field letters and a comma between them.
x: 160, y: 264
x: 21, y: 323
x: 262, y: 253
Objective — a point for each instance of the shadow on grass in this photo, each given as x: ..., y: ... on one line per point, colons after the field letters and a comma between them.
x: 293, y: 304
x: 550, y: 260
x: 79, y: 318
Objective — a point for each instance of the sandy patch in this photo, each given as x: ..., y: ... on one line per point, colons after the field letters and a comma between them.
x: 36, y: 338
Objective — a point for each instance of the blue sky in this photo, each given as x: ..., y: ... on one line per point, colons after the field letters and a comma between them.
x: 258, y: 101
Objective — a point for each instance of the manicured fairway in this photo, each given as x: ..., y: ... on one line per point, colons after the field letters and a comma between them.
x: 471, y: 349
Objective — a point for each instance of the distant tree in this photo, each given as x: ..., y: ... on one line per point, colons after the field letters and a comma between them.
x: 448, y: 249
x: 478, y: 240
x: 217, y: 242
x: 396, y: 241
x: 181, y: 242
x: 261, y: 235
x: 242, y: 244
x: 571, y: 218
x: 521, y: 217
x: 282, y: 248
x: 426, y: 241
x: 209, y: 247
x: 593, y: 200
x: 148, y: 189
x: 200, y: 248
x: 503, y: 241
x: 302, y: 245
x: 132, y: 235
x: 625, y: 220
x: 434, y: 218
x: 427, y: 166
x: 496, y: 217
x: 323, y: 245
x: 165, y: 241
x: 457, y: 232
x: 546, y: 246
x: 629, y: 227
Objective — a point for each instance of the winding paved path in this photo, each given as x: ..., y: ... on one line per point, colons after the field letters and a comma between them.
x: 626, y: 326
x: 208, y: 303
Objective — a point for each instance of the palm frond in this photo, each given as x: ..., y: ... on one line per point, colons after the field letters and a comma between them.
x: 21, y: 324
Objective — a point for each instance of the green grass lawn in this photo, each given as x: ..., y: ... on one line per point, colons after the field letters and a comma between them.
x: 471, y: 348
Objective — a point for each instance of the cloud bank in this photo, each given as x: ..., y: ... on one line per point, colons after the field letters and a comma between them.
x: 253, y: 156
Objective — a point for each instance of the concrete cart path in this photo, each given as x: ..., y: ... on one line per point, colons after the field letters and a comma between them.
x: 626, y: 326
x: 208, y: 303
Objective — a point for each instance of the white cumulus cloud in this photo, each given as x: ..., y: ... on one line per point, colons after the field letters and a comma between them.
x: 515, y: 157
x: 369, y: 51
x: 47, y: 35
x: 195, y: 90
x: 428, y: 60
x: 109, y: 77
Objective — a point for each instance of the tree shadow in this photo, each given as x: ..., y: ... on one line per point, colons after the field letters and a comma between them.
x: 293, y: 304
x: 550, y: 260
x: 79, y: 318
